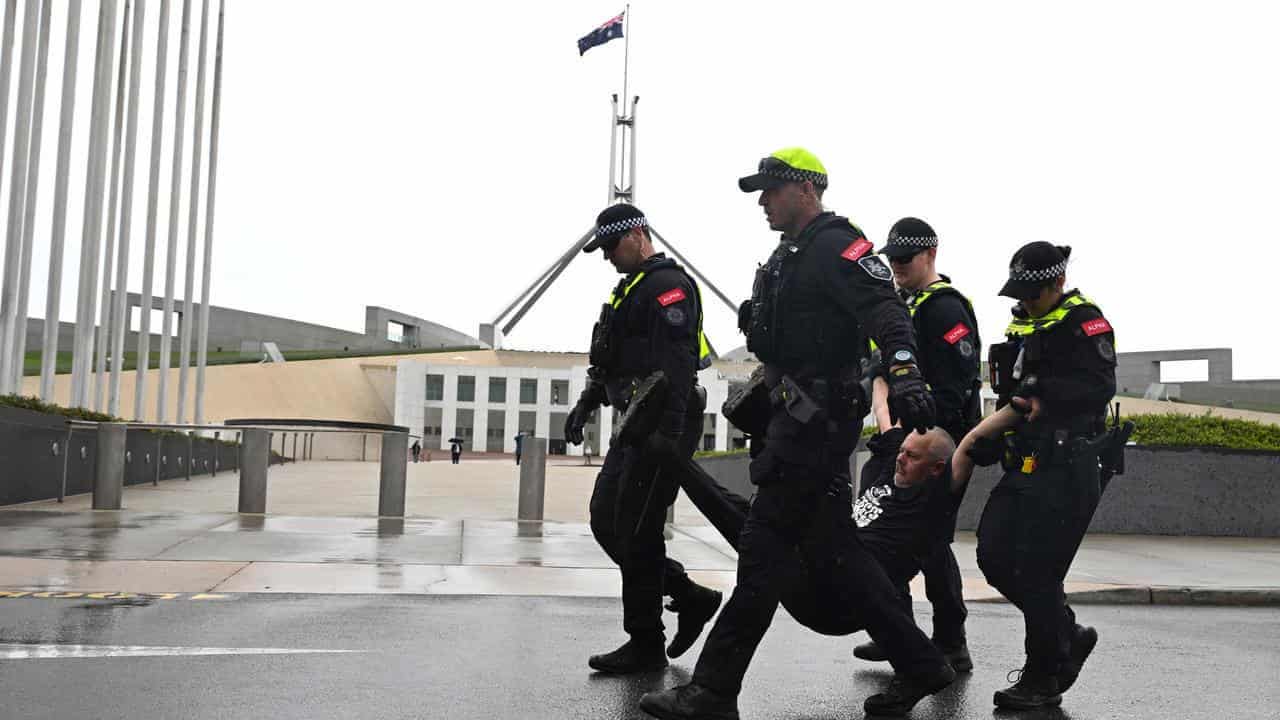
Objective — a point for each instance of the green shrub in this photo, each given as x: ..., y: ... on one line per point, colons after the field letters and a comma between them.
x: 31, y: 403
x: 1207, y: 430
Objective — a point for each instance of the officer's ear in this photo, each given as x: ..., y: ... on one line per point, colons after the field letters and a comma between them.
x: 1060, y: 282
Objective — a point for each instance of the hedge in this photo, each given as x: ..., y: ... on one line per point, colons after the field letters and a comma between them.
x: 31, y: 403
x: 1207, y: 430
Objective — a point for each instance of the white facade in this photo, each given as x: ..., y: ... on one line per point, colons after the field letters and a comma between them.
x: 557, y: 391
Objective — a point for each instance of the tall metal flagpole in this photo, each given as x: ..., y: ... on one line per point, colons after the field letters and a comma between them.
x: 6, y: 75
x: 82, y: 361
x: 118, y: 324
x: 103, y: 344
x: 53, y: 298
x: 202, y: 348
x: 193, y: 217
x: 175, y: 200
x: 17, y: 193
x: 153, y: 187
x: 33, y: 184
x: 626, y: 63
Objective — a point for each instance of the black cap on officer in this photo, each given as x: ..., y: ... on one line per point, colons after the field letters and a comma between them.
x: 1032, y: 266
x: 612, y: 223
x: 909, y: 236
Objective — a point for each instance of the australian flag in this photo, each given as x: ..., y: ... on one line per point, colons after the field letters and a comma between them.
x: 611, y: 30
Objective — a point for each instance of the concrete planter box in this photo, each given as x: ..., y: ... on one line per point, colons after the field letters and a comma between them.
x: 1164, y: 491
x: 30, y: 469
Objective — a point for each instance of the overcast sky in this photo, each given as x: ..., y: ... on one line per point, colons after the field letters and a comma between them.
x: 434, y: 158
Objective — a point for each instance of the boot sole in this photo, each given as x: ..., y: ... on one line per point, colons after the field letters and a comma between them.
x: 1003, y: 701
x: 662, y: 714
x: 615, y: 670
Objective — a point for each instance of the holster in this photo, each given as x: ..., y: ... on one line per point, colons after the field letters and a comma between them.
x: 1000, y: 360
x: 644, y: 410
x: 1111, y: 455
x: 601, y: 354
x: 748, y: 406
x: 800, y: 405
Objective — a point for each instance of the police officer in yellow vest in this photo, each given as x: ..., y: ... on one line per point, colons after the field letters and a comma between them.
x: 651, y: 322
x: 950, y: 359
x: 1058, y: 367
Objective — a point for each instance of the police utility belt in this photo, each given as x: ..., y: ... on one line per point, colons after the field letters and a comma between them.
x: 810, y: 401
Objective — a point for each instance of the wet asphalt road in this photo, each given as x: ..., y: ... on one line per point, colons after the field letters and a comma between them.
x: 514, y: 657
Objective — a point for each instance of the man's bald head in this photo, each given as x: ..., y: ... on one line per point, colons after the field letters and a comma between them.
x: 923, y: 457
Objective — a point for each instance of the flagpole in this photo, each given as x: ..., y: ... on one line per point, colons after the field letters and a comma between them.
x: 626, y: 59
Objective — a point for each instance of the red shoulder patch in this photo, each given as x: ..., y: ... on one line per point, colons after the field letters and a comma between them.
x: 1097, y: 326
x: 671, y: 296
x: 856, y: 250
x: 954, y: 334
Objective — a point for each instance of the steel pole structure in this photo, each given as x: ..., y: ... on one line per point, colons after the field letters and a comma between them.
x: 175, y: 202
x: 6, y: 76
x: 202, y: 347
x: 702, y: 278
x: 153, y: 187
x: 568, y: 258
x: 103, y: 342
x: 17, y: 193
x: 631, y: 129
x: 53, y: 298
x: 29, y: 212
x: 193, y: 217
x: 87, y: 291
x: 119, y: 325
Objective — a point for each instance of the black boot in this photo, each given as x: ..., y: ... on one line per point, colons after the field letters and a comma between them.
x: 870, y: 652
x: 695, y: 610
x: 957, y: 654
x: 690, y: 702
x: 1083, y: 640
x: 636, y: 655
x: 1032, y: 690
x: 904, y: 692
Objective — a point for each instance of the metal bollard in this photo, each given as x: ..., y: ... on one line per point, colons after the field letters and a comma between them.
x: 108, y: 476
x: 255, y: 454
x: 533, y: 479
x: 391, y: 477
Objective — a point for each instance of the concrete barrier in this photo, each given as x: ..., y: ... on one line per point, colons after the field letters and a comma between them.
x: 391, y: 476
x: 255, y: 455
x: 108, y: 476
x: 1165, y: 491
x: 533, y: 479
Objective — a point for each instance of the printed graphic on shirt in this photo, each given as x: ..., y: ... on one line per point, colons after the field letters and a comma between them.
x: 856, y: 249
x: 1097, y: 326
x: 671, y: 296
x: 876, y: 268
x: 867, y: 508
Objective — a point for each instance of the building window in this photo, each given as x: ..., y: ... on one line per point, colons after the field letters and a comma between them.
x: 528, y: 422
x: 465, y: 426
x: 528, y: 391
x: 559, y: 392
x: 466, y: 388
x: 497, y: 390
x: 435, y: 387
x: 494, y: 440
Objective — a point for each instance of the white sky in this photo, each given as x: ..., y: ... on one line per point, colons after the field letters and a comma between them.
x: 433, y: 158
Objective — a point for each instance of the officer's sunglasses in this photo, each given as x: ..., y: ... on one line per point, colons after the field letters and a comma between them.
x: 903, y: 259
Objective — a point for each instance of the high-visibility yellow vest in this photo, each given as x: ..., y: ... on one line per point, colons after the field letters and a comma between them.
x: 1023, y: 327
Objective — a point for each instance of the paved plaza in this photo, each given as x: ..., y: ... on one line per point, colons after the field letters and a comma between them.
x: 177, y: 606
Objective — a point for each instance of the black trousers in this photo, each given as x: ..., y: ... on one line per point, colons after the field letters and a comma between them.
x: 803, y: 506
x: 628, y: 514
x: 1030, y: 531
x: 943, y: 585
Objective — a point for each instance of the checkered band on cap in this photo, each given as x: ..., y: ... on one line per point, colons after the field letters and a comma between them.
x: 620, y: 226
x: 923, y: 241
x: 791, y: 174
x: 1049, y: 273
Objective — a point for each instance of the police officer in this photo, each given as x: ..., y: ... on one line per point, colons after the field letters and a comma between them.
x: 1058, y: 367
x: 947, y: 332
x: 815, y: 302
x: 652, y: 322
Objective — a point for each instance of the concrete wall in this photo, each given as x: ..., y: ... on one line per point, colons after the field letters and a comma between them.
x: 239, y: 330
x: 31, y: 468
x: 1163, y: 492
x: 1136, y: 370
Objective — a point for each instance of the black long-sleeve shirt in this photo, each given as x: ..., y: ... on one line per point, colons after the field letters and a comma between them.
x: 950, y: 355
x: 1076, y: 374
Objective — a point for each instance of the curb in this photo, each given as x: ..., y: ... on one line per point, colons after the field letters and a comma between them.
x: 1179, y: 596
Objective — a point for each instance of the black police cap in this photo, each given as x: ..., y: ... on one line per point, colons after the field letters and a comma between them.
x: 612, y: 223
x: 1032, y: 266
x: 909, y: 236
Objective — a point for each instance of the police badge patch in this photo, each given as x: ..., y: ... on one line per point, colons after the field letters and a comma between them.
x: 965, y: 347
x: 1106, y: 349
x: 876, y: 268
x: 675, y: 316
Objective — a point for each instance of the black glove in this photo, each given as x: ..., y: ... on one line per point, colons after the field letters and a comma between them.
x: 910, y: 401
x: 986, y: 451
x: 744, y: 316
x: 575, y: 422
x: 661, y: 445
